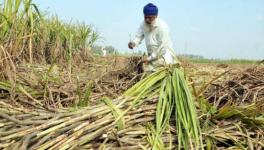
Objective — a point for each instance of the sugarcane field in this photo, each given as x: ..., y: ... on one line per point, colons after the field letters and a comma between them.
x: 62, y: 88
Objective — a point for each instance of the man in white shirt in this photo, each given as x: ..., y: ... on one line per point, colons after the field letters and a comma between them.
x: 157, y: 39
x: 103, y: 51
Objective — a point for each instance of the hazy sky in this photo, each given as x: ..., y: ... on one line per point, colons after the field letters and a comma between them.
x: 211, y: 28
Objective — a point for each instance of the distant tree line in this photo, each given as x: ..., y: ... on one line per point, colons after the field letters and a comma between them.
x: 191, y: 56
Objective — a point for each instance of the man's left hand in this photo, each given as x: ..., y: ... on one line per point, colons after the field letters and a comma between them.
x: 145, y: 61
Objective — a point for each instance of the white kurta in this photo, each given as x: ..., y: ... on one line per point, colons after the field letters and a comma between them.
x: 158, y: 42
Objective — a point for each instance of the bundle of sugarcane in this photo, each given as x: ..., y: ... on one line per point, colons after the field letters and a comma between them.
x: 96, y: 128
x: 38, y: 129
x: 174, y: 95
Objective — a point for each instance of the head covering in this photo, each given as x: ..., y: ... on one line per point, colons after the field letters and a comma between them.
x: 150, y: 9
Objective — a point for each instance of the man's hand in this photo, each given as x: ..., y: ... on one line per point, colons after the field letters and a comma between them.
x: 145, y: 61
x: 131, y: 45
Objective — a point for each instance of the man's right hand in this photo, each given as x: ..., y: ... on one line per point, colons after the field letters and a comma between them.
x: 131, y: 45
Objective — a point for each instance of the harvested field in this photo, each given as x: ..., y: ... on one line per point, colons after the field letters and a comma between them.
x: 230, y: 108
x: 57, y: 92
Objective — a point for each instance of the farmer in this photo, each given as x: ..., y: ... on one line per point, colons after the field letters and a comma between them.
x: 103, y: 51
x: 157, y: 39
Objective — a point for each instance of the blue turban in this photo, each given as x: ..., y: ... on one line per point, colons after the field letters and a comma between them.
x: 150, y: 9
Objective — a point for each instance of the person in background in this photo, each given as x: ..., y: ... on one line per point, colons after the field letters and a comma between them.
x: 157, y: 39
x: 103, y: 51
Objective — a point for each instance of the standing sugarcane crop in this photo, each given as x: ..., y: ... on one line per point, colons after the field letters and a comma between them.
x: 157, y: 39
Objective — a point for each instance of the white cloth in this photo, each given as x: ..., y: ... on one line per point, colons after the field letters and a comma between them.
x: 103, y: 51
x: 158, y: 41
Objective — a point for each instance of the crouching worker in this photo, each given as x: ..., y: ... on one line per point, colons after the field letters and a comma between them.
x: 158, y: 43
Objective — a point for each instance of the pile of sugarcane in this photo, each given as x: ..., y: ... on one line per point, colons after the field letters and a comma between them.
x: 116, y: 81
x: 246, y: 87
x: 41, y: 86
x: 89, y: 127
x: 150, y: 115
x: 174, y: 98
x: 78, y: 128
x: 233, y: 110
x: 51, y: 86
